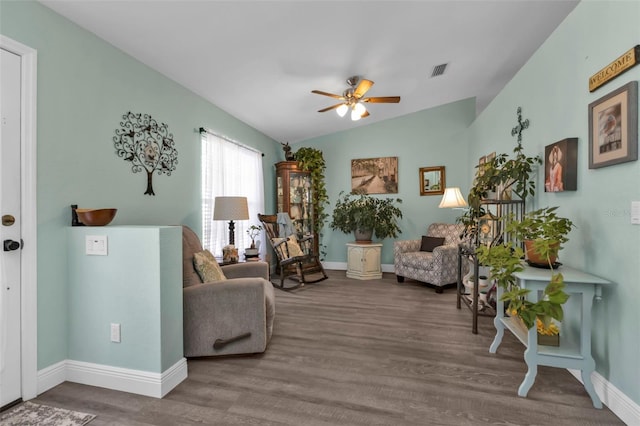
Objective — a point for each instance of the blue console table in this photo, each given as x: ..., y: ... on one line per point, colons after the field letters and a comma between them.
x: 575, y: 345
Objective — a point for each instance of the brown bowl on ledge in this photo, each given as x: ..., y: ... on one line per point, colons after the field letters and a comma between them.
x: 96, y: 217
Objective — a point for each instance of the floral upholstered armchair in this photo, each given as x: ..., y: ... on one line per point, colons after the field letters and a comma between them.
x: 438, y: 266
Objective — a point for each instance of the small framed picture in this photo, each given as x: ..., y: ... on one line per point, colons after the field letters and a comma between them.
x: 561, y: 166
x: 432, y: 180
x: 613, y: 127
x: 481, y: 163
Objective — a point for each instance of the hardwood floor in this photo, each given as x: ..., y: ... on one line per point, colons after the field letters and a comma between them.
x: 348, y: 352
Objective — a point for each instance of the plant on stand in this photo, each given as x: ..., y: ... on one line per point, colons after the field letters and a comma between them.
x: 365, y: 214
x: 549, y: 232
x: 253, y: 231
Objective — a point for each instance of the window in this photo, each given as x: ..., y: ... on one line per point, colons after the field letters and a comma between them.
x: 230, y: 169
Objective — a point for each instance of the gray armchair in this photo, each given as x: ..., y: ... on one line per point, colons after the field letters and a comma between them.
x: 233, y: 316
x: 438, y: 267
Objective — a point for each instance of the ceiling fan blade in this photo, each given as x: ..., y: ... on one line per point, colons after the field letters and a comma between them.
x: 329, y: 108
x: 382, y: 100
x: 365, y: 114
x: 362, y: 88
x: 331, y: 95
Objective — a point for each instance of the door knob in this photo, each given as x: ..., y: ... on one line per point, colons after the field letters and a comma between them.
x: 11, y: 245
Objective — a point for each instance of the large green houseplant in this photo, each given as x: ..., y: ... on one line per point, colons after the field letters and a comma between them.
x: 360, y: 212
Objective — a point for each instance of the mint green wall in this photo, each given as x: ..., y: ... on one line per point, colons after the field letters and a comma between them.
x: 84, y: 87
x: 552, y: 89
x: 427, y: 138
x: 137, y: 285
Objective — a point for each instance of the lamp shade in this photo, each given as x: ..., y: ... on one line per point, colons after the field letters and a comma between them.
x: 342, y: 110
x: 452, y: 198
x: 231, y: 208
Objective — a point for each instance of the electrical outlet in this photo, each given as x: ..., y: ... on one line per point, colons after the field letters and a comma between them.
x: 115, y: 333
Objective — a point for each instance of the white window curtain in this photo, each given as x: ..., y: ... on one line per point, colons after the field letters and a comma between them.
x: 230, y: 169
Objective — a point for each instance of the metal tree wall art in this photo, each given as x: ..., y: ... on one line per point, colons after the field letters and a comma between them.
x: 147, y: 145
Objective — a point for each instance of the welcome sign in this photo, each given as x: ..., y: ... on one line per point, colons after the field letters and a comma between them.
x: 630, y: 58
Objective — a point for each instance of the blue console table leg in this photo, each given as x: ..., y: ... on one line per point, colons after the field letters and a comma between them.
x: 497, y: 321
x: 531, y: 358
x: 588, y: 384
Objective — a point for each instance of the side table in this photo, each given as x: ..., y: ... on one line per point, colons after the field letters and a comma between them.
x: 575, y: 345
x: 363, y: 261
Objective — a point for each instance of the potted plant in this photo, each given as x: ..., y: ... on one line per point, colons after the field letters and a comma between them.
x: 365, y: 214
x: 548, y: 232
x: 312, y: 160
x: 543, y: 233
x: 503, y: 173
x: 253, y: 232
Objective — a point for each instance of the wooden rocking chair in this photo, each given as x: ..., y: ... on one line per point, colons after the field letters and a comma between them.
x: 296, y: 257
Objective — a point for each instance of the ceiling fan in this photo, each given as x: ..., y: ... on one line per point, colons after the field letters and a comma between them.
x: 353, y: 99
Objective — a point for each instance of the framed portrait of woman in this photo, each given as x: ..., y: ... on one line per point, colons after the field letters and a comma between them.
x: 561, y: 166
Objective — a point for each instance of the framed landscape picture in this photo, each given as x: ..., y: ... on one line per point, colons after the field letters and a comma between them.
x: 561, y: 166
x: 374, y: 175
x: 613, y: 127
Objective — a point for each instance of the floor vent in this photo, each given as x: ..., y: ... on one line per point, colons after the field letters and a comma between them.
x: 438, y: 70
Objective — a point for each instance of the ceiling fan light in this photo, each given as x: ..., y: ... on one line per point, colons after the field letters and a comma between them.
x: 358, y: 110
x: 342, y: 110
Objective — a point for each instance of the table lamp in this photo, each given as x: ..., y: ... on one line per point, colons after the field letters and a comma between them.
x: 231, y: 208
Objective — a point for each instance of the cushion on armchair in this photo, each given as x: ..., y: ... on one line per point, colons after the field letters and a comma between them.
x: 429, y: 243
x: 292, y: 248
x: 207, y: 267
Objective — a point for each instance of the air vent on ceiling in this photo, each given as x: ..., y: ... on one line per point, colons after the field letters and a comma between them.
x: 438, y: 70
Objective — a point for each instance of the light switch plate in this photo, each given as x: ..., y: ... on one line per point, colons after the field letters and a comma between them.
x: 635, y: 212
x: 96, y: 245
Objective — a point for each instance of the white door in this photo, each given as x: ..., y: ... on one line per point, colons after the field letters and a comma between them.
x: 10, y: 242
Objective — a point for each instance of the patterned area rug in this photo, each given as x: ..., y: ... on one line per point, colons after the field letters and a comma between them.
x: 30, y: 413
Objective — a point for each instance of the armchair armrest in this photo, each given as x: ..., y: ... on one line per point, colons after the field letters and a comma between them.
x: 225, y: 310
x: 247, y: 269
x: 448, y: 252
x: 405, y: 246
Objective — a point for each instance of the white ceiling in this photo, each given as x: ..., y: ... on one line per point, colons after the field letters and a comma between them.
x: 259, y: 60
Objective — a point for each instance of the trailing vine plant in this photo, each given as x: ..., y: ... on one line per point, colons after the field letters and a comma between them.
x: 312, y: 161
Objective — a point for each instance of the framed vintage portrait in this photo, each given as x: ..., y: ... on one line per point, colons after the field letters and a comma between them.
x: 432, y: 180
x: 481, y: 162
x: 561, y: 166
x: 613, y: 127
x: 374, y: 175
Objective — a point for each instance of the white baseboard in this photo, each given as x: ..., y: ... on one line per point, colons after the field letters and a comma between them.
x: 139, y: 382
x: 342, y: 266
x: 335, y: 266
x: 619, y: 403
x: 51, y: 376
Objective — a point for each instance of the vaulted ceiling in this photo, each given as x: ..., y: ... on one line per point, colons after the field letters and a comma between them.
x: 260, y: 60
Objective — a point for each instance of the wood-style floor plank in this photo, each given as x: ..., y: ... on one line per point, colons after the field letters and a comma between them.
x: 349, y: 352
